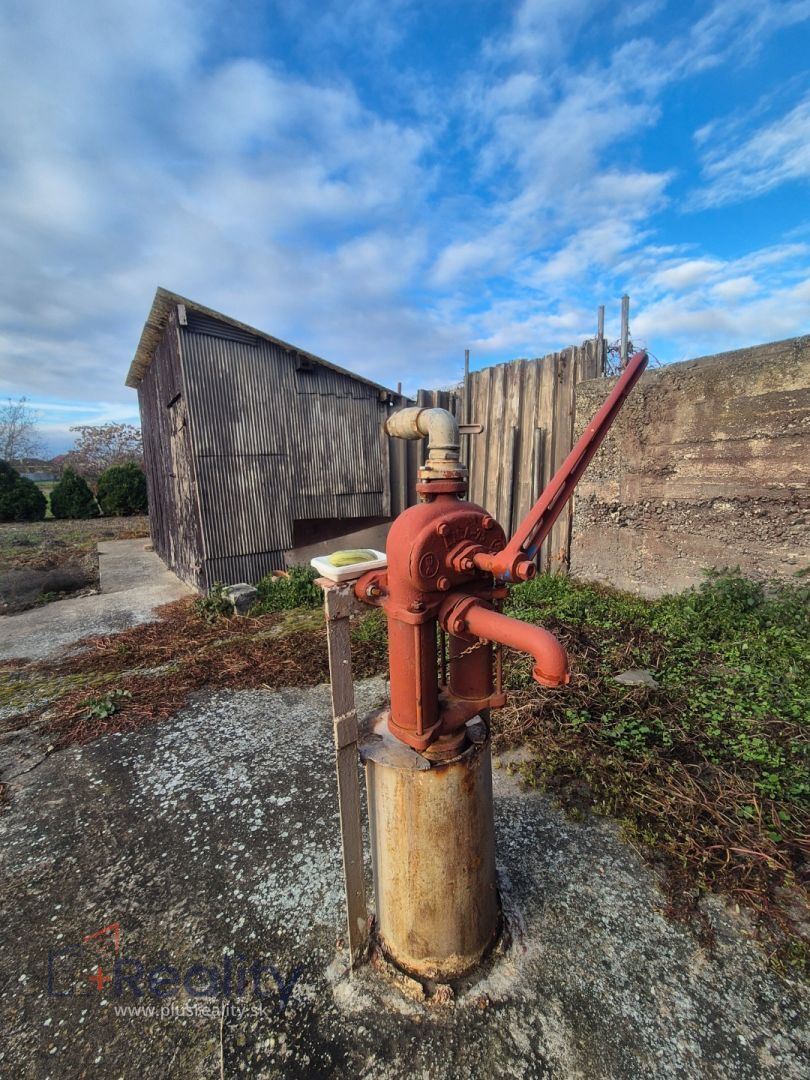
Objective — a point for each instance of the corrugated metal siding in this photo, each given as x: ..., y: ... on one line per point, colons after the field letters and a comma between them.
x: 245, y: 504
x: 251, y: 567
x: 276, y: 438
x: 173, y: 511
x: 345, y: 454
x: 237, y: 393
x: 312, y: 379
x: 153, y: 460
x: 199, y: 323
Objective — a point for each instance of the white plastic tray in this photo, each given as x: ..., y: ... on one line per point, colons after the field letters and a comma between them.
x: 346, y: 573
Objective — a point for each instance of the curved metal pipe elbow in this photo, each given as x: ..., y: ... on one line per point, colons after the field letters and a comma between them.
x: 439, y: 426
x: 550, y: 658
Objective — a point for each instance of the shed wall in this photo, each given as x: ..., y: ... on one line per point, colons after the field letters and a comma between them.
x: 276, y: 439
x: 173, y: 508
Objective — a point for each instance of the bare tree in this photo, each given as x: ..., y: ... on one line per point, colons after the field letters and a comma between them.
x: 19, y: 438
x: 98, y: 446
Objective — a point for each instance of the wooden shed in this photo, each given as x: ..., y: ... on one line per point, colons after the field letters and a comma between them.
x: 252, y: 446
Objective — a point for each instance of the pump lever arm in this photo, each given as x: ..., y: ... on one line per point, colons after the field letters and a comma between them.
x: 514, y: 561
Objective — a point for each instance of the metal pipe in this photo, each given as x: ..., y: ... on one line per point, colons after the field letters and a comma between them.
x: 433, y: 851
x: 438, y: 425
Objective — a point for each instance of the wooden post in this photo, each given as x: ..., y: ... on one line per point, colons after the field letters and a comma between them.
x: 514, y: 477
x: 625, y: 330
x: 465, y: 408
x: 600, y: 339
x: 538, y: 456
x: 339, y: 603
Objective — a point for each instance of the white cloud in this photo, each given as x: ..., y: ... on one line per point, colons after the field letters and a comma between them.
x: 543, y: 29
x: 635, y: 14
x: 155, y: 143
x: 726, y: 304
x: 735, y: 288
x: 725, y: 326
x: 732, y: 28
x: 274, y: 198
x: 684, y: 274
x: 739, y: 167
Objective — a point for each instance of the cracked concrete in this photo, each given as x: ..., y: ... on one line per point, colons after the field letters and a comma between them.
x: 215, y: 835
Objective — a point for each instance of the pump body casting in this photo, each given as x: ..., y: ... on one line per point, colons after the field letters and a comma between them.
x: 449, y: 563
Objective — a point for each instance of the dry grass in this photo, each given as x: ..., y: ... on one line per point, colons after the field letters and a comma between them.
x: 46, y: 560
x: 156, y: 666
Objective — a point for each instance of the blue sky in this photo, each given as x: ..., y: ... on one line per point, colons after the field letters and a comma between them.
x: 387, y: 184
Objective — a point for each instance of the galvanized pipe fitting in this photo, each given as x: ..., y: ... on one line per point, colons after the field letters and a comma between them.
x: 438, y: 426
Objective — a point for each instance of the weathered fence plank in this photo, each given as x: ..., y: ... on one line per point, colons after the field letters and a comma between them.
x: 527, y: 408
x: 562, y: 440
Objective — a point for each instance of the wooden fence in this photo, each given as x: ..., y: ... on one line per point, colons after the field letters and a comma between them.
x: 527, y: 408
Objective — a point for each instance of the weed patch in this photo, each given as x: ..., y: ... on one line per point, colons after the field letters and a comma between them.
x: 215, y: 605
x: 282, y: 592
x: 708, y: 771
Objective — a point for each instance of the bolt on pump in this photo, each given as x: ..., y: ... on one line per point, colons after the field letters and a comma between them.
x: 429, y: 778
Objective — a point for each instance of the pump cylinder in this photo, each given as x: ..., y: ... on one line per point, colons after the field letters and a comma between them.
x: 433, y: 850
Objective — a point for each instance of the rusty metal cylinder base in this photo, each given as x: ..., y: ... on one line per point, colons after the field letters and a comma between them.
x: 433, y: 850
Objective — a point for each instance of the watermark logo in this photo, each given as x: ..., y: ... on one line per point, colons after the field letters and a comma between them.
x: 98, y: 965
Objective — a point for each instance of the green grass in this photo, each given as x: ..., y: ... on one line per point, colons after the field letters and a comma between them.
x: 735, y: 653
x: 46, y: 487
x: 710, y: 769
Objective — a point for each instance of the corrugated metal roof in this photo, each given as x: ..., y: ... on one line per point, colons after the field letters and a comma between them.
x: 165, y: 302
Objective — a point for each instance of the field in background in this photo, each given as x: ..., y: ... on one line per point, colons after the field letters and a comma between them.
x: 46, y: 487
x: 47, y: 560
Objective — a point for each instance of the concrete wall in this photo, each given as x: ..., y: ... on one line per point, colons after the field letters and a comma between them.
x: 707, y: 465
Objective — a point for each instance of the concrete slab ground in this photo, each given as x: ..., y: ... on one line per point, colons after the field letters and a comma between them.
x: 134, y: 581
x: 209, y: 843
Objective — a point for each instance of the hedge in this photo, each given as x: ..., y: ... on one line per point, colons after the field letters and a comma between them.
x: 20, y: 498
x: 72, y: 497
x: 122, y: 490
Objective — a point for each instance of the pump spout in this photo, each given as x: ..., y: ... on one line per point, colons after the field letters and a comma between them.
x: 467, y: 615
